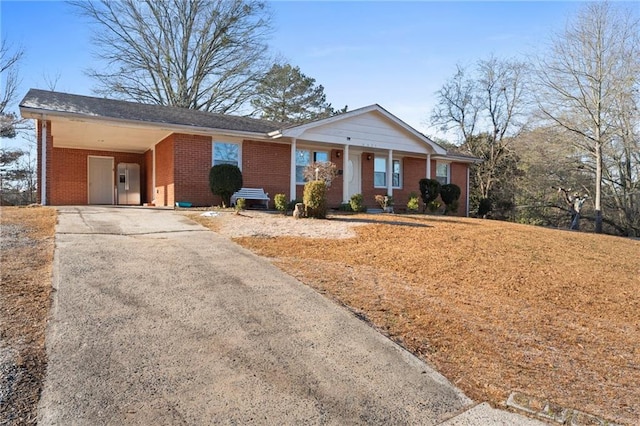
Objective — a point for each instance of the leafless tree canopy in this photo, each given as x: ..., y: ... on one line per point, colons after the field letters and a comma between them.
x: 199, y: 54
x: 484, y: 105
x: 9, y: 61
x: 588, y: 85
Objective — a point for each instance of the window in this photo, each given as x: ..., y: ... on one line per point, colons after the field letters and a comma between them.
x: 442, y: 173
x: 226, y: 153
x: 380, y: 173
x: 304, y: 158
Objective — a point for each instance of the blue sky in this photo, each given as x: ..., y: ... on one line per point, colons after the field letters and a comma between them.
x: 396, y: 54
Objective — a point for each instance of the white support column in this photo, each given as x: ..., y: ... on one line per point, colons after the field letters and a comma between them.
x: 43, y: 174
x: 390, y: 174
x: 428, y: 166
x: 292, y: 184
x: 345, y: 174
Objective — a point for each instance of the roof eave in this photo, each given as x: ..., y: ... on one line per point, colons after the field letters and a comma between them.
x: 38, y: 113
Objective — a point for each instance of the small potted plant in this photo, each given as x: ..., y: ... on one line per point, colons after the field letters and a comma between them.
x: 385, y: 202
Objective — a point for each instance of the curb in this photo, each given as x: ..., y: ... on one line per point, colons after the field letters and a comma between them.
x: 549, y: 411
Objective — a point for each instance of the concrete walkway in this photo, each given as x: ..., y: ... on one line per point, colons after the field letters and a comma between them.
x: 159, y: 321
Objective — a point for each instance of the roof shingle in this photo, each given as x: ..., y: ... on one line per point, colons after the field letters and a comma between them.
x: 132, y: 111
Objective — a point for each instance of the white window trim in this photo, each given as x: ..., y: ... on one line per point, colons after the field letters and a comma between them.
x: 213, y: 150
x: 311, y: 151
x: 448, y: 164
x: 399, y: 160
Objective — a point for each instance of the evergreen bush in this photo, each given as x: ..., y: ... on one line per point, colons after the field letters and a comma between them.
x: 224, y: 180
x: 429, y: 190
x: 450, y: 194
x: 281, y: 203
x: 315, y: 199
x: 357, y: 203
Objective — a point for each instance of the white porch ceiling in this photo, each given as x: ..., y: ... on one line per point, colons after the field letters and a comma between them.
x: 104, y: 136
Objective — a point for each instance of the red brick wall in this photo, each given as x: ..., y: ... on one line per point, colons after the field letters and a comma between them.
x: 192, y: 162
x: 69, y: 173
x: 266, y: 165
x: 164, y: 172
x: 458, y: 173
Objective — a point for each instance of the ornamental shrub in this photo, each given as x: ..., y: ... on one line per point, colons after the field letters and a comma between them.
x: 413, y: 204
x: 429, y: 190
x: 315, y: 199
x: 357, y: 203
x: 281, y: 203
x: 450, y: 193
x: 224, y: 180
x: 241, y: 204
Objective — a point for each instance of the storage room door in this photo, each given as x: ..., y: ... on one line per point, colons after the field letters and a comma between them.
x: 100, y: 180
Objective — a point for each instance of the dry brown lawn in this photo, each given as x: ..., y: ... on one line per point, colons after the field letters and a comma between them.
x: 496, y: 307
x: 26, y: 247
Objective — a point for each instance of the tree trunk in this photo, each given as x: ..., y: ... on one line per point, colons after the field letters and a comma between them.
x: 598, y: 204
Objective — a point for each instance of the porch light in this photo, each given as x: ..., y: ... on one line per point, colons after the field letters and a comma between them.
x: 369, y: 157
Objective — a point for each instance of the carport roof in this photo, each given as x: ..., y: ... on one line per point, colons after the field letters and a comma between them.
x: 38, y: 102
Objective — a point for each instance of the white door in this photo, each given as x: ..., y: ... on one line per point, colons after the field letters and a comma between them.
x: 353, y: 174
x: 100, y: 180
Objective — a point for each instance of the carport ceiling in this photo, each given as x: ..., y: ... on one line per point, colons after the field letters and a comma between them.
x: 103, y: 136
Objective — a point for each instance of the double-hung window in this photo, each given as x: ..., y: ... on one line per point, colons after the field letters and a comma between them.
x: 380, y: 173
x: 304, y: 157
x: 442, y: 173
x: 226, y: 153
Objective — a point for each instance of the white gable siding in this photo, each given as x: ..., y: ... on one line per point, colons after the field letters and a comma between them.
x: 370, y: 130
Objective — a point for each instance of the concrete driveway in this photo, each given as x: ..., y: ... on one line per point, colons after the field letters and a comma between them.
x: 157, y: 320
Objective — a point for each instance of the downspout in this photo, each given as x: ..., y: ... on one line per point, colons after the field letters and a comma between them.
x: 292, y: 181
x: 43, y: 173
x: 428, y: 166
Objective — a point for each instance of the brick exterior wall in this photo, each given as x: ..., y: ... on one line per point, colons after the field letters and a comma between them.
x: 459, y: 177
x: 266, y: 165
x: 192, y: 162
x: 164, y: 172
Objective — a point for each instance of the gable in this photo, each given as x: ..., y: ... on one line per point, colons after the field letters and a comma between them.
x: 369, y: 128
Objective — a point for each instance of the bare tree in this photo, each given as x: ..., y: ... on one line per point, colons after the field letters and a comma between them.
x: 585, y: 83
x: 9, y: 61
x: 199, y: 54
x: 484, y: 106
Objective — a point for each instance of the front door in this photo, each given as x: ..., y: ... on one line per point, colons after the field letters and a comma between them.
x: 353, y: 174
x: 100, y: 180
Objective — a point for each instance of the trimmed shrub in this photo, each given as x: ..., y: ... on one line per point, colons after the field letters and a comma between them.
x: 429, y: 190
x: 224, y: 180
x: 357, y: 203
x: 315, y: 199
x: 281, y: 203
x: 413, y: 204
x: 450, y: 194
